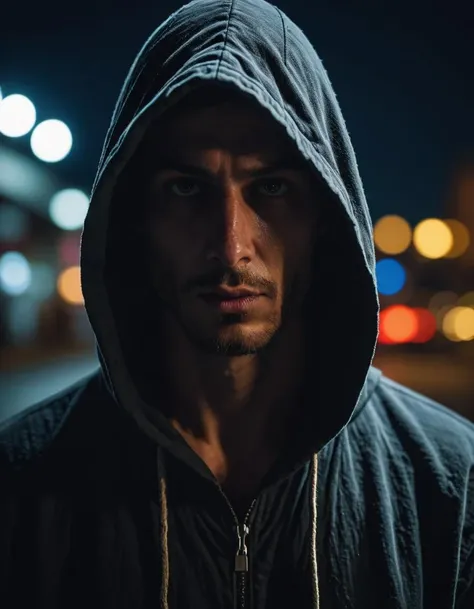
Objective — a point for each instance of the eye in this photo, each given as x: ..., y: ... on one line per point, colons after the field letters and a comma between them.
x: 183, y: 187
x: 188, y: 187
x: 273, y: 187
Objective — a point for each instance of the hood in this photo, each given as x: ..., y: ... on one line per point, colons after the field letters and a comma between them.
x: 251, y: 46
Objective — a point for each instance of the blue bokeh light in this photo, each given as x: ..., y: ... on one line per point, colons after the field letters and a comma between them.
x: 391, y: 276
x: 15, y: 273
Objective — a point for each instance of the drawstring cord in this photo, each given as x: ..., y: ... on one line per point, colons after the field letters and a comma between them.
x: 314, y: 528
x: 165, y: 562
x: 165, y: 565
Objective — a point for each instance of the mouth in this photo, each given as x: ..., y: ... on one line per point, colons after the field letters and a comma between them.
x: 231, y: 301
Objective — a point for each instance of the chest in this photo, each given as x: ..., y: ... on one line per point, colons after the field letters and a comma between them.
x: 241, y: 489
x: 240, y: 480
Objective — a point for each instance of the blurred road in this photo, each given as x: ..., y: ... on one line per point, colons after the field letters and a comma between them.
x: 443, y: 378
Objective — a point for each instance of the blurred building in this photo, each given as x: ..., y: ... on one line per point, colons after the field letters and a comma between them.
x: 460, y: 205
x: 41, y: 310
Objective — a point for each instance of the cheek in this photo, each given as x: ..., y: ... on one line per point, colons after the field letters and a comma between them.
x: 298, y: 255
x: 292, y: 236
x: 172, y: 251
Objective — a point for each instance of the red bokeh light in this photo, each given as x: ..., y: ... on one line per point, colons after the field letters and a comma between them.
x: 426, y: 326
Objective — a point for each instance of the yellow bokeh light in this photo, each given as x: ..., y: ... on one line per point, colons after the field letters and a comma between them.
x: 433, y: 238
x: 440, y: 315
x: 458, y: 324
x: 69, y: 286
x: 461, y: 238
x: 466, y: 300
x: 392, y: 235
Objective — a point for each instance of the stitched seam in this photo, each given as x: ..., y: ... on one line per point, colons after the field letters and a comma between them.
x: 231, y: 6
x: 284, y: 34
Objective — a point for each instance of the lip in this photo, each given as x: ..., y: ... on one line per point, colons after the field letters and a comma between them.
x: 231, y: 301
x: 228, y: 293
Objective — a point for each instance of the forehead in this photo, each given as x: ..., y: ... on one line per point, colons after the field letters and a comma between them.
x: 235, y: 124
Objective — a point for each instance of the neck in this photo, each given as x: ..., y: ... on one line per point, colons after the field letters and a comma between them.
x: 235, y: 404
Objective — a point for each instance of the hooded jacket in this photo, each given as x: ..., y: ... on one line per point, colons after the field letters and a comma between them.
x: 102, y: 502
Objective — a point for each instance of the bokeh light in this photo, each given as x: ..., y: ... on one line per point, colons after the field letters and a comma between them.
x: 15, y: 273
x: 426, y: 326
x: 69, y: 286
x: 441, y: 314
x: 69, y: 249
x: 433, y: 238
x: 392, y: 234
x: 461, y: 238
x: 441, y: 300
x: 466, y: 300
x: 391, y: 276
x: 51, y: 141
x: 458, y: 324
x: 17, y: 115
x: 68, y: 208
x: 398, y: 324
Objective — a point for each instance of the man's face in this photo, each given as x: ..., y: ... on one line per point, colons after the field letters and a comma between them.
x: 230, y: 212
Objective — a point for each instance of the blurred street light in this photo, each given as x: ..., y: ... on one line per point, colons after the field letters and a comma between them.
x: 15, y: 273
x: 51, y: 141
x: 392, y: 235
x: 17, y: 115
x: 68, y: 208
x: 433, y: 238
x: 69, y: 286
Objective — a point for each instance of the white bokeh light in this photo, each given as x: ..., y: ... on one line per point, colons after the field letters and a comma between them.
x: 51, y: 141
x: 17, y: 115
x: 68, y: 208
x: 15, y: 273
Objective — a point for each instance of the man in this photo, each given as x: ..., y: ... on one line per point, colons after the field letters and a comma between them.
x: 236, y: 448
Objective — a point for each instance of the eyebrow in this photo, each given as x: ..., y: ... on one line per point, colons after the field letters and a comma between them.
x: 284, y: 163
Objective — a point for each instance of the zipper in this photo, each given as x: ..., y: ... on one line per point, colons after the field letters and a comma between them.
x: 241, y: 570
x: 241, y: 558
x: 241, y: 563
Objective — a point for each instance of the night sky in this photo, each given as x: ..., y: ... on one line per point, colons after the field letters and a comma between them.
x: 403, y: 72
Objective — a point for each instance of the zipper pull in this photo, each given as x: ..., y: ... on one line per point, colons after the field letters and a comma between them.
x: 241, y: 558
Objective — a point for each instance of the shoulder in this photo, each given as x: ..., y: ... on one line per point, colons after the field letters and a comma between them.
x: 435, y: 447
x: 424, y: 442
x: 25, y: 437
x: 421, y: 439
x: 423, y: 421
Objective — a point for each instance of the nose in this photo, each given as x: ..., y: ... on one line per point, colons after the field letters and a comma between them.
x: 232, y: 238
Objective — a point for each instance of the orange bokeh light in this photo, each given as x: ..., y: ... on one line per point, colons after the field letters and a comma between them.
x: 69, y: 286
x: 398, y: 324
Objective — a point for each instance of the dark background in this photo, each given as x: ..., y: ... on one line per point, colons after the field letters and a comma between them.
x: 403, y: 72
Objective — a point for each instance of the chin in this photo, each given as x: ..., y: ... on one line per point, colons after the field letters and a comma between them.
x: 237, y: 343
x: 236, y: 339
